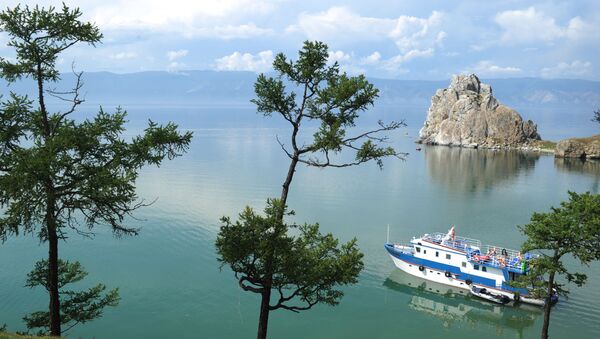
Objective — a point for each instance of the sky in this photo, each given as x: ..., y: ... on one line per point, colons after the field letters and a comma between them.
x: 422, y: 39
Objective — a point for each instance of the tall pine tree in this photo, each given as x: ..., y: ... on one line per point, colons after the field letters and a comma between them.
x: 306, y: 269
x: 56, y: 173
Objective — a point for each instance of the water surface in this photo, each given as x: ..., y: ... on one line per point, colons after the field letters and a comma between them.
x: 172, y: 287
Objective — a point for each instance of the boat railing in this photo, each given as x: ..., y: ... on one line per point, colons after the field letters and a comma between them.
x: 460, y: 243
x: 404, y: 248
x: 496, y: 256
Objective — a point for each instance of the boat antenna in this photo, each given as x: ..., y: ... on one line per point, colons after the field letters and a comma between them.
x: 388, y: 234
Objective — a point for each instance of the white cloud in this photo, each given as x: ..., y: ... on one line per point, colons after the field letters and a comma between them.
x: 576, y: 68
x: 173, y: 55
x: 395, y: 63
x: 237, y: 61
x: 477, y: 48
x: 488, y: 68
x: 412, y: 33
x: 233, y: 32
x: 123, y: 55
x: 175, y: 66
x: 338, y: 56
x: 579, y: 29
x: 207, y: 18
x: 340, y: 25
x: 372, y: 59
x: 530, y: 25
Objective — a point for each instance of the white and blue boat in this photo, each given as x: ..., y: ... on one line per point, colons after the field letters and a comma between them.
x: 464, y: 263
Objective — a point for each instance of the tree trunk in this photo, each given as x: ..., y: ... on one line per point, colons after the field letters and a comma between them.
x: 548, y: 307
x: 54, y: 306
x: 288, y: 179
x: 263, y: 320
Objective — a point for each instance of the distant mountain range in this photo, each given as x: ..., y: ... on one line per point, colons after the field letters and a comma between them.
x: 237, y: 87
x: 546, y: 101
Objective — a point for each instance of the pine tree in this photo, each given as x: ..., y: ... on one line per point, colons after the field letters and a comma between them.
x: 58, y: 174
x: 307, y: 268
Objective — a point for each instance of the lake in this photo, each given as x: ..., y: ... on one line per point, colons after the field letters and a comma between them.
x: 171, y: 284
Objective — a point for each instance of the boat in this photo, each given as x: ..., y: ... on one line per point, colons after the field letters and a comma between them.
x: 463, y: 263
x: 541, y: 301
x: 483, y: 293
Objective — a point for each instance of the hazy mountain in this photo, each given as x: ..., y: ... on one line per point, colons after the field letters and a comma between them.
x: 237, y: 87
x: 552, y: 103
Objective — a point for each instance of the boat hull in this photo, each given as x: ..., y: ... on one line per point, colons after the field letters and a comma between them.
x: 428, y: 273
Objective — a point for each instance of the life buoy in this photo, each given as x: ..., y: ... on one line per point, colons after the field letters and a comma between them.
x: 421, y: 268
x: 448, y: 274
x: 502, y: 263
x: 468, y: 281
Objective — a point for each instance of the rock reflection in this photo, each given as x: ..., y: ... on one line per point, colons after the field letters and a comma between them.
x: 589, y: 167
x: 475, y: 170
x: 586, y: 167
x: 457, y: 308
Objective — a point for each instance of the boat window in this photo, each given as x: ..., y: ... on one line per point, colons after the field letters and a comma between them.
x: 437, y: 254
x: 484, y: 269
x: 448, y: 256
x: 464, y: 264
x: 424, y: 251
x: 418, y: 249
x: 476, y: 267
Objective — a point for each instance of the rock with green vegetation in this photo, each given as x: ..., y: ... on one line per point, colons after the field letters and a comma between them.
x: 466, y: 114
x: 583, y: 148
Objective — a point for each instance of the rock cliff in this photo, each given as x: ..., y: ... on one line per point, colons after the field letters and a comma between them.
x: 584, y: 148
x: 467, y: 114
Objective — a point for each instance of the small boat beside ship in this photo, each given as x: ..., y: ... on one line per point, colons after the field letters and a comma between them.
x: 485, y: 270
x: 483, y: 293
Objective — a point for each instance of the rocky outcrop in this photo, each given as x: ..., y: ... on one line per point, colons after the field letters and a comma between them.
x: 467, y: 114
x: 584, y: 148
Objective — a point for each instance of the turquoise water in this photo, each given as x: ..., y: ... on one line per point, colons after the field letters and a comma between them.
x: 171, y: 285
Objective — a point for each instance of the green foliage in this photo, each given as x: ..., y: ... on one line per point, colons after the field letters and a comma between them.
x: 39, y: 34
x: 572, y: 229
x: 77, y: 307
x: 93, y: 170
x: 333, y: 100
x: 58, y: 173
x: 88, y: 168
x: 596, y: 117
x: 308, y: 266
x: 305, y: 269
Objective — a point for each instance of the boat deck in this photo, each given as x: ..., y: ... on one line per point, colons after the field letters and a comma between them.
x: 488, y: 255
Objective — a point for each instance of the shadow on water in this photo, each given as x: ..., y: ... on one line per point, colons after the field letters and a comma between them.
x: 474, y: 170
x: 586, y: 167
x: 457, y: 308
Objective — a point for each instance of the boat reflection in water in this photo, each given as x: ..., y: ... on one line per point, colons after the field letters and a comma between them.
x: 456, y: 307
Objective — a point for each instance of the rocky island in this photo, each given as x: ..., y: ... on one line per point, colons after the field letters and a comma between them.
x: 583, y: 148
x: 466, y: 114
